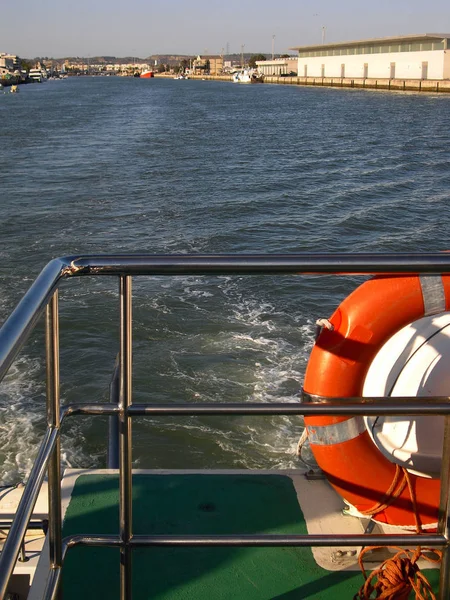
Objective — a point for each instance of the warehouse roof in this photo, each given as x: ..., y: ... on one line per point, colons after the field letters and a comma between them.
x: 385, y: 40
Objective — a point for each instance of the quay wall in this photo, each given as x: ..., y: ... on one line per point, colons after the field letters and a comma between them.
x: 397, y: 85
x: 402, y: 85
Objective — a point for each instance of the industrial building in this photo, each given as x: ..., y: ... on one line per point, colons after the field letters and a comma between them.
x: 278, y: 66
x: 420, y: 56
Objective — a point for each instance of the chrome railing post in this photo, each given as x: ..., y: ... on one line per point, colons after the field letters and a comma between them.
x: 444, y: 510
x: 125, y: 442
x: 112, y: 454
x: 53, y: 422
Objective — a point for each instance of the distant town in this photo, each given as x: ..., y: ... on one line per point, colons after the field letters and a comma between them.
x: 13, y: 67
x: 407, y: 62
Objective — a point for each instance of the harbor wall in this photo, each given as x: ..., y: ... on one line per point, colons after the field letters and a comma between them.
x: 401, y: 85
x: 397, y: 85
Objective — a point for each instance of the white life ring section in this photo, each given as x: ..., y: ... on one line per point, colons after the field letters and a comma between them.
x: 413, y: 362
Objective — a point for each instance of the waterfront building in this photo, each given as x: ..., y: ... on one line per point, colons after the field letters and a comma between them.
x: 10, y: 69
x: 214, y: 62
x: 6, y: 63
x: 418, y: 56
x: 278, y: 66
x: 11, y: 62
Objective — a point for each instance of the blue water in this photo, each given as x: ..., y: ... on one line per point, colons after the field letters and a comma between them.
x: 161, y: 166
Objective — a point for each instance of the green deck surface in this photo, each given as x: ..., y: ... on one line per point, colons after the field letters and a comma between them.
x: 197, y: 504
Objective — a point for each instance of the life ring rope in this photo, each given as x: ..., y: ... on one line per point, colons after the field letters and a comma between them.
x: 398, y: 576
x: 401, y: 479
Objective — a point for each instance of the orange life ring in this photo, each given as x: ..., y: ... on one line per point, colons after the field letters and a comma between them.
x: 339, y: 362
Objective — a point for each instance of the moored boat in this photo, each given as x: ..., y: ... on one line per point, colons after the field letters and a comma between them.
x: 243, y: 76
x: 240, y: 534
x: 147, y: 74
x: 257, y: 77
x: 248, y: 76
x: 38, y: 74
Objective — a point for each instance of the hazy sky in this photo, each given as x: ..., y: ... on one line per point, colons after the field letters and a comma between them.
x: 57, y: 28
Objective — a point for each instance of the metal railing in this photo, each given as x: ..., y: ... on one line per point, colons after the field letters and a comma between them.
x: 43, y: 296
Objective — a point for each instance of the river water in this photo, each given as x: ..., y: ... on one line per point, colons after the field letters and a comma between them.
x: 98, y: 165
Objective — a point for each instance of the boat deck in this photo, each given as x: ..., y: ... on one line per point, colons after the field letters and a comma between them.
x: 211, y: 503
x: 206, y: 503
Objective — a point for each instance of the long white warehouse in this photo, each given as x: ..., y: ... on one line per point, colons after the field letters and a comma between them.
x: 420, y: 56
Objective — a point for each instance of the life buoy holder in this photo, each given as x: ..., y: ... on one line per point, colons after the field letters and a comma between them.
x: 337, y: 367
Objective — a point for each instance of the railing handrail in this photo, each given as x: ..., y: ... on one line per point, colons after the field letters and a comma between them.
x: 15, y: 330
x: 43, y: 293
x: 253, y: 264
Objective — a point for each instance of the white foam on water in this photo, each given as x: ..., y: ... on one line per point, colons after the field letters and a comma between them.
x: 198, y: 293
x: 23, y: 423
x: 259, y: 355
x: 20, y: 421
x: 249, y: 349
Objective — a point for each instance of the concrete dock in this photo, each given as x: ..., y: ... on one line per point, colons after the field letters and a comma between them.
x: 394, y: 85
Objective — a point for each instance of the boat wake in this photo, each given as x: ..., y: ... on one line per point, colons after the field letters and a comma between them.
x: 22, y: 423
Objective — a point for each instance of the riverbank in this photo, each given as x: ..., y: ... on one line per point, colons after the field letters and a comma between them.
x: 394, y: 85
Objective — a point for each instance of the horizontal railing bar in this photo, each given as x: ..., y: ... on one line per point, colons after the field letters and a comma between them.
x: 314, y: 399
x: 24, y: 510
x: 99, y: 541
x: 340, y: 406
x: 6, y: 524
x: 251, y: 264
x: 420, y: 407
x: 69, y: 410
x: 139, y: 541
x: 291, y: 540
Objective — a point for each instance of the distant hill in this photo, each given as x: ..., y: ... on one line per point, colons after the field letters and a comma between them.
x: 166, y: 59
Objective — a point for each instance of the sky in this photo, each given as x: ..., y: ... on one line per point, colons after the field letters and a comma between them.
x: 140, y: 28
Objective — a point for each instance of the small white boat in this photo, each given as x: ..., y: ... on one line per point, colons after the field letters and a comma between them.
x: 243, y: 76
x: 248, y: 76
